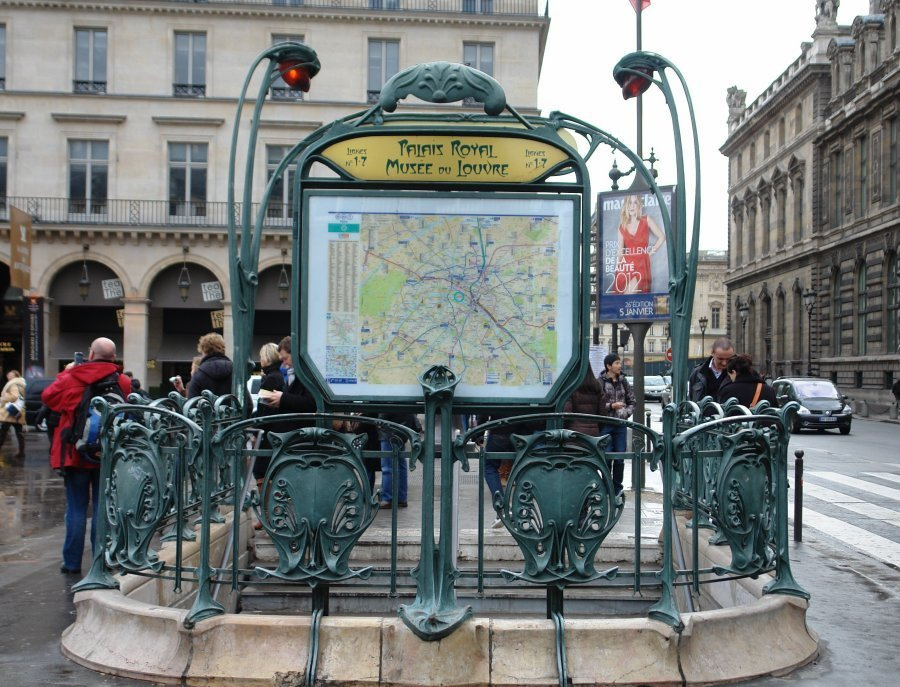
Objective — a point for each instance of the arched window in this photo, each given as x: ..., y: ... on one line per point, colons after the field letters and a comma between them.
x: 862, y: 306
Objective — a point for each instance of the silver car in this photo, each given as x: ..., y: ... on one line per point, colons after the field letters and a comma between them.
x: 654, y: 387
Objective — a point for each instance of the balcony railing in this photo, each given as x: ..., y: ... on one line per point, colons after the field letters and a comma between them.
x: 533, y: 8
x: 89, y: 86
x: 135, y: 213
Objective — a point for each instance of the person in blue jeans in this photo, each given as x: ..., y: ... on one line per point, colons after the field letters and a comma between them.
x: 387, y: 463
x: 498, y: 440
x: 618, y: 401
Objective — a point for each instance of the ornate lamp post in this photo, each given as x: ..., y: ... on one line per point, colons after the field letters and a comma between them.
x: 703, y: 322
x: 809, y: 301
x: 635, y: 73
x: 744, y: 312
x: 296, y: 64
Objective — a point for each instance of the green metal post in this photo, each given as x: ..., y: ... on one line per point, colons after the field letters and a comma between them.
x: 243, y: 266
x: 434, y: 614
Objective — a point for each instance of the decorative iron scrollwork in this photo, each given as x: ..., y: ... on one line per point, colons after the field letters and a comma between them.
x: 743, y: 506
x: 315, y: 505
x: 559, y: 506
x: 140, y: 493
x: 443, y: 82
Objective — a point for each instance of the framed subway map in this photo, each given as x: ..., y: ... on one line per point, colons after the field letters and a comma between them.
x: 483, y: 283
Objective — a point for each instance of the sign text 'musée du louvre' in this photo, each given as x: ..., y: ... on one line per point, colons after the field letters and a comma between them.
x: 450, y: 158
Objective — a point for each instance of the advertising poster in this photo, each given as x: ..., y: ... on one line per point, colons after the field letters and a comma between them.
x: 634, y: 267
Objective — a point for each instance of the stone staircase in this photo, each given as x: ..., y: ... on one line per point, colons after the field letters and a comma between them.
x: 499, y: 598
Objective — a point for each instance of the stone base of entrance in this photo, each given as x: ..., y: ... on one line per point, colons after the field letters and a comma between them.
x: 138, y: 632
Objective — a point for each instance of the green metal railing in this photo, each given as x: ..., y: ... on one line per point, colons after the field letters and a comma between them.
x: 168, y: 462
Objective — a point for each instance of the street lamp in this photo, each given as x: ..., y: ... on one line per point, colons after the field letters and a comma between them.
x: 295, y: 64
x: 744, y: 312
x: 184, y: 278
x: 703, y: 321
x: 636, y: 73
x: 284, y: 283
x: 809, y: 301
x: 84, y: 284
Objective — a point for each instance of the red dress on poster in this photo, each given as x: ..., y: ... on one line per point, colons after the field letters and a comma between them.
x: 633, y: 268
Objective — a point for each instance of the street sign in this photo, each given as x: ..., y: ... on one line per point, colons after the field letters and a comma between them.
x: 669, y: 354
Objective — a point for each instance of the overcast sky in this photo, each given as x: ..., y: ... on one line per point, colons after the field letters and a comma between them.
x: 747, y: 43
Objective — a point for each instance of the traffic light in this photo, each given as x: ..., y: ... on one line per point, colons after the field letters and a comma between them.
x: 623, y: 338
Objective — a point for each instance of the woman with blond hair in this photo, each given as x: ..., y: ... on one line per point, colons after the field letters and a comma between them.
x: 633, y: 274
x: 12, y: 409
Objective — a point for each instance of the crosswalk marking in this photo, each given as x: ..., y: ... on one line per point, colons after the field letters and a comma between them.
x: 874, y: 545
x: 851, y: 503
x: 862, y: 485
x: 886, y: 476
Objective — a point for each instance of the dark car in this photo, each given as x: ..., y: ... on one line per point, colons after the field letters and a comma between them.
x: 822, y: 406
x: 34, y: 387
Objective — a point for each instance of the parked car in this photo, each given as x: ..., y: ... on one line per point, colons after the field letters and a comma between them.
x: 34, y: 387
x: 822, y: 406
x: 654, y: 387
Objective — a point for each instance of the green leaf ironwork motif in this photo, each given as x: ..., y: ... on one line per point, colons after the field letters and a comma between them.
x: 315, y: 505
x: 559, y: 506
x: 443, y: 82
x: 743, y: 506
x: 140, y: 494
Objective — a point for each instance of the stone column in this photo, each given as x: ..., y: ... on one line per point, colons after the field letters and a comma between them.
x: 228, y: 328
x: 134, y: 337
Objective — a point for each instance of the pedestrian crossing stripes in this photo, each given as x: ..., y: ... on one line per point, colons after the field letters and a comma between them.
x: 857, y: 536
x: 851, y: 503
x: 860, y: 484
x: 877, y: 547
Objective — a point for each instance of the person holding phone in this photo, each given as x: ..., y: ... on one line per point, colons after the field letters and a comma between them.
x: 12, y: 410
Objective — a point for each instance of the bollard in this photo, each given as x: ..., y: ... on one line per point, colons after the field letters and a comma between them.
x: 798, y: 495
x: 894, y: 408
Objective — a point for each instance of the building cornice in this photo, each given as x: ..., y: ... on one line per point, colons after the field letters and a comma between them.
x: 87, y: 118
x: 188, y: 121
x: 294, y: 12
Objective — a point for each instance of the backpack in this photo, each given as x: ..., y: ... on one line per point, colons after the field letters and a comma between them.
x: 85, y: 431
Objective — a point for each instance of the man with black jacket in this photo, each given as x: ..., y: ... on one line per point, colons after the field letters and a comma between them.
x: 708, y: 376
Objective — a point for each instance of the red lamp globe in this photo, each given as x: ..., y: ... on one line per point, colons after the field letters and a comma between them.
x: 295, y: 75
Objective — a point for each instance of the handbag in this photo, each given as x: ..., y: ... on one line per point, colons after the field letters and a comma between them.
x: 15, y: 407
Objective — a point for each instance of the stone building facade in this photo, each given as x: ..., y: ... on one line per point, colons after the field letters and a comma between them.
x: 120, y: 151
x: 814, y: 208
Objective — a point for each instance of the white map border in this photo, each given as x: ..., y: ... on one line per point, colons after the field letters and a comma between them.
x: 321, y: 206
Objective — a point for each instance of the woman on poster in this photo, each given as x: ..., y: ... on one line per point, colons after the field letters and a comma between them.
x: 633, y: 273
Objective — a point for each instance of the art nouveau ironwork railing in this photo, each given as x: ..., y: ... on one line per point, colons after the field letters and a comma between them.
x: 166, y: 462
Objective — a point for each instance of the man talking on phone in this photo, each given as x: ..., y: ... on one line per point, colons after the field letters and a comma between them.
x: 82, y: 478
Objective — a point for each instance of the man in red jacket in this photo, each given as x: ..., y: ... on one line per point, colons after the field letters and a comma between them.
x: 82, y: 479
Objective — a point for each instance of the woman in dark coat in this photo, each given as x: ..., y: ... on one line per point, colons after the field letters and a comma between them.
x: 746, y: 385
x: 587, y: 399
